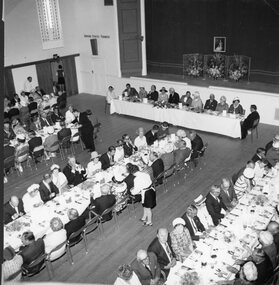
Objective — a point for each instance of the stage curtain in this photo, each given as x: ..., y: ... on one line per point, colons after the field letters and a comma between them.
x: 44, y: 76
x: 9, y: 87
x: 178, y: 27
x: 70, y: 74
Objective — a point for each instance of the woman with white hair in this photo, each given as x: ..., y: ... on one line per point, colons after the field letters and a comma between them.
x: 126, y: 276
x: 267, y: 241
x: 58, y: 178
x: 197, y: 102
x: 32, y: 199
x: 245, y: 182
x: 140, y: 140
x: 181, y: 135
x: 222, y: 105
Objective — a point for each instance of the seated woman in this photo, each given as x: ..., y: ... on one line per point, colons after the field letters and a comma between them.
x: 181, y: 241
x: 126, y: 276
x: 140, y: 140
x: 222, y: 105
x: 17, y: 127
x: 58, y: 178
x: 94, y: 165
x: 51, y: 143
x: 69, y: 115
x: 197, y: 102
x: 182, y: 135
x: 163, y: 96
x: 119, y: 151
x: 153, y: 94
x: 245, y: 182
x: 186, y: 99
x: 235, y: 107
x: 21, y: 147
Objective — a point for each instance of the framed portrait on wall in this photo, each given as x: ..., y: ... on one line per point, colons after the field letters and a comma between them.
x: 219, y: 44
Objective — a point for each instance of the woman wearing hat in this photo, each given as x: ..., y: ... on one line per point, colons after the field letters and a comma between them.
x: 235, y: 107
x: 197, y: 102
x: 21, y: 148
x: 245, y: 182
x: 181, y: 241
x: 58, y: 178
x: 163, y: 96
x: 94, y: 165
x: 32, y: 199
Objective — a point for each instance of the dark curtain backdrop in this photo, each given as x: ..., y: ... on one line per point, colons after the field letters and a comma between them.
x: 9, y: 87
x: 69, y: 66
x: 177, y: 27
x: 44, y: 75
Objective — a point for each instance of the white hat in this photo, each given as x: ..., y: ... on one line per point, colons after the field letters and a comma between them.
x: 50, y: 130
x: 250, y: 271
x: 94, y: 154
x: 168, y: 148
x: 54, y: 166
x: 181, y: 133
x: 178, y: 221
x: 249, y: 173
x: 33, y: 187
x: 266, y: 238
x: 20, y: 136
x: 275, y: 144
x: 199, y: 200
x: 236, y: 99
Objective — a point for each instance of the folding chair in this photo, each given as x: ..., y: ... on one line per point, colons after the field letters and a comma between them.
x: 254, y: 129
x: 35, y: 266
x: 124, y: 203
x: 22, y: 157
x: 38, y: 151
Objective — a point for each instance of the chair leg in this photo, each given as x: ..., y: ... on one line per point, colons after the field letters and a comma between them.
x: 49, y: 271
x: 70, y: 255
x: 85, y: 243
x: 257, y: 132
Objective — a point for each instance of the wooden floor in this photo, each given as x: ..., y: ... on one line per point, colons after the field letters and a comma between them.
x: 223, y: 157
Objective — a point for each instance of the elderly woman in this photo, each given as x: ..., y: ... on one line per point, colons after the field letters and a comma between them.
x: 140, y: 140
x: 17, y: 127
x: 181, y: 241
x: 197, y: 102
x: 186, y: 99
x: 126, y: 276
x: 222, y: 105
x: 143, y: 186
x: 181, y: 135
x: 21, y: 147
x: 235, y: 107
x: 163, y: 96
x: 94, y: 165
x: 267, y: 241
x: 245, y: 182
x: 56, y: 237
x: 58, y: 178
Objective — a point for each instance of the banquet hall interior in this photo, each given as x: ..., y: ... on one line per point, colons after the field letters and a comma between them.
x: 76, y: 49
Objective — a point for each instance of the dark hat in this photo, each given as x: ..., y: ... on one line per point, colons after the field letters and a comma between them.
x: 163, y: 89
x: 8, y: 253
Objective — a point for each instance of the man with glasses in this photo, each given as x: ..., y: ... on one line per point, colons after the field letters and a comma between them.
x: 228, y: 194
x: 147, y: 268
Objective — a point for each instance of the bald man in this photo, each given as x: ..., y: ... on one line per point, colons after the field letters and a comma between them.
x: 147, y: 267
x: 13, y: 209
x: 161, y: 246
x: 273, y: 228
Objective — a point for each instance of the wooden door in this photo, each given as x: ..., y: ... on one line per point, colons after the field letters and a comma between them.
x: 44, y: 75
x: 70, y: 74
x: 129, y: 37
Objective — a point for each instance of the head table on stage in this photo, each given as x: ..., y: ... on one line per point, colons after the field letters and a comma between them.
x: 227, y: 124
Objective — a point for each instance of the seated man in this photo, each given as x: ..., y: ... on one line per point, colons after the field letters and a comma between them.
x: 146, y: 267
x: 47, y: 189
x: 168, y: 159
x: 273, y: 228
x: 211, y: 103
x: 13, y: 209
x: 107, y: 159
x: 151, y: 135
x: 247, y: 124
x: 76, y: 222
x: 45, y: 120
x: 64, y: 132
x: 74, y: 172
x: 197, y: 144
x: 269, y: 144
x: 8, y: 131
x: 34, y: 142
x: 100, y: 204
x: 31, y: 248
x: 259, y: 155
x: 173, y: 97
x: 202, y: 213
x: 157, y: 164
x: 128, y: 146
x: 272, y: 155
x: 228, y: 194
x: 182, y: 153
x: 267, y: 242
x: 51, y: 144
x: 32, y: 198
x: 130, y: 91
x: 163, y: 131
x: 55, y: 238
x: 214, y: 204
x: 161, y: 246
x: 193, y: 223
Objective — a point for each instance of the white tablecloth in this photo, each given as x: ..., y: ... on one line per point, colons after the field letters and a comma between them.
x: 199, y: 121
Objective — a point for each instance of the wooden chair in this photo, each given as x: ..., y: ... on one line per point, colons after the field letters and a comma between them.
x: 23, y: 157
x: 9, y: 164
x: 254, y: 129
x: 124, y: 203
x: 66, y: 144
x: 56, y: 145
x: 38, y: 152
x: 91, y: 226
x: 200, y: 155
x: 75, y: 140
x: 35, y: 266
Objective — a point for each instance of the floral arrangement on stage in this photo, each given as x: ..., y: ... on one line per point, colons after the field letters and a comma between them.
x: 238, y: 69
x: 162, y: 104
x: 216, y: 66
x: 193, y: 65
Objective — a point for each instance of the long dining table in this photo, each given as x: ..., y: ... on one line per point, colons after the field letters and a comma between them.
x: 234, y: 238
x: 227, y: 125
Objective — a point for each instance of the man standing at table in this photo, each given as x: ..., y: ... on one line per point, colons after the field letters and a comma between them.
x: 47, y: 189
x: 214, y: 204
x: 29, y: 86
x: 13, y: 209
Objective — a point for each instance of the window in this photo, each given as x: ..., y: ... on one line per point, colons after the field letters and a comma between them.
x: 50, y: 23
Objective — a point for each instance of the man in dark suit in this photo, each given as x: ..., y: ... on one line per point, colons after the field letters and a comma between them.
x: 100, y: 204
x: 151, y: 135
x: 157, y: 164
x: 34, y: 141
x: 214, y: 204
x: 248, y: 123
x: 197, y: 144
x: 211, y: 103
x: 146, y: 267
x: 45, y: 120
x: 8, y: 131
x: 193, y: 223
x: 228, y: 194
x: 13, y: 209
x: 107, y: 159
x: 86, y: 130
x: 161, y: 246
x: 259, y: 155
x: 174, y: 97
x: 130, y: 91
x: 76, y: 222
x: 128, y: 146
x: 32, y: 248
x: 74, y: 172
x: 64, y: 132
x: 182, y: 153
x: 47, y: 189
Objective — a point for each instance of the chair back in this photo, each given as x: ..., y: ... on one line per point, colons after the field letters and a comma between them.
x: 255, y: 124
x: 57, y: 252
x: 75, y: 237
x: 35, y: 266
x: 54, y: 146
x: 38, y: 149
x: 23, y: 154
x: 107, y: 211
x: 65, y: 143
x: 9, y: 162
x: 168, y: 172
x: 91, y: 225
x: 201, y: 152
